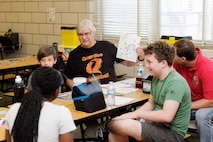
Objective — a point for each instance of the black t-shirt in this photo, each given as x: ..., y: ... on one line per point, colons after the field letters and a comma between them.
x: 98, y: 60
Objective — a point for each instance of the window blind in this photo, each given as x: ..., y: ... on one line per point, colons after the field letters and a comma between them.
x: 152, y: 19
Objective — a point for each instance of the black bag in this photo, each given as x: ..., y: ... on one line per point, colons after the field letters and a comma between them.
x: 10, y: 40
x: 88, y: 97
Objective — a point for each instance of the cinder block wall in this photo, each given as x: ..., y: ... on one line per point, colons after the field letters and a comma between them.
x: 30, y: 19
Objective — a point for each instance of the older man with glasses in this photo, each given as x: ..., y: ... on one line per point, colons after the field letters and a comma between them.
x: 93, y: 58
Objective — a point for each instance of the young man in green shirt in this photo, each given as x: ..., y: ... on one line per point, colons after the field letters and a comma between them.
x: 166, y: 114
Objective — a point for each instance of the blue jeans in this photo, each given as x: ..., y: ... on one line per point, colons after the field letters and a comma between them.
x: 204, y: 119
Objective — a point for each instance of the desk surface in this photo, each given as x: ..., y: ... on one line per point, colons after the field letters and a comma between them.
x: 2, y: 129
x: 80, y: 117
x: 15, y: 63
x: 57, y: 101
x: 62, y: 102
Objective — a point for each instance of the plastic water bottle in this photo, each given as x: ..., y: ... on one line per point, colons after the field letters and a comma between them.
x: 139, y: 76
x: 140, y: 71
x: 111, y: 94
x: 18, y: 89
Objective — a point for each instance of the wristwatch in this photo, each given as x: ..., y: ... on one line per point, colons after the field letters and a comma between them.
x: 140, y: 59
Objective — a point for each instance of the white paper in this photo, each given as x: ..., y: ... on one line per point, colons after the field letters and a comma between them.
x: 121, y: 100
x: 127, y: 47
x: 122, y: 87
x: 51, y: 14
x: 65, y: 95
x: 3, y: 112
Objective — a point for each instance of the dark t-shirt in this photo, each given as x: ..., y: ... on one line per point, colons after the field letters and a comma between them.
x: 98, y: 60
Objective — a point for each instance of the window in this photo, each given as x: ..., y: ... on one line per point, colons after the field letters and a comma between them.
x: 150, y: 19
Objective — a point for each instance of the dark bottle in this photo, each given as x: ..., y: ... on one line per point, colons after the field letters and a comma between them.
x: 18, y: 89
x: 60, y: 65
x: 55, y: 46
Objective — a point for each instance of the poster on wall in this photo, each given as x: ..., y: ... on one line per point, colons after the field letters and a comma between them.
x: 51, y: 15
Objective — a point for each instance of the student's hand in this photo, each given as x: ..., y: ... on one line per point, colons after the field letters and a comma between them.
x: 140, y: 53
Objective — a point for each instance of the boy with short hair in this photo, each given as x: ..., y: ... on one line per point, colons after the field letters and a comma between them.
x: 167, y: 111
x: 47, y: 57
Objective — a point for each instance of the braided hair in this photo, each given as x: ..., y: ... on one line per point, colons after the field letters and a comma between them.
x: 45, y: 82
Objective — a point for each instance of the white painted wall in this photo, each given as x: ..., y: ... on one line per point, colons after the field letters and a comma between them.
x: 208, y: 53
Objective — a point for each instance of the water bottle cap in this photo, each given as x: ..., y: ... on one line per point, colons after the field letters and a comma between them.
x: 18, y: 79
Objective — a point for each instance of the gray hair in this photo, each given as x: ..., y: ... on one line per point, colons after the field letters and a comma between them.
x: 86, y: 23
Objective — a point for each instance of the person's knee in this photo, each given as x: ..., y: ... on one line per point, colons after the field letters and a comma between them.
x: 200, y: 114
x: 113, y: 137
x: 204, y: 114
x: 115, y: 125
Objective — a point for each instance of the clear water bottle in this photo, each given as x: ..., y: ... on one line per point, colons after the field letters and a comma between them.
x: 18, y: 89
x: 139, y: 76
x: 111, y: 94
x: 140, y: 71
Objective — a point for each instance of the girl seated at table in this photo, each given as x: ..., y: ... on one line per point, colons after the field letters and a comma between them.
x: 36, y: 119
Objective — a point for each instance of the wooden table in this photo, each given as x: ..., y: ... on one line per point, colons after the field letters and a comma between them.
x: 62, y: 102
x: 81, y: 117
x: 2, y: 129
x: 15, y: 64
x: 57, y: 101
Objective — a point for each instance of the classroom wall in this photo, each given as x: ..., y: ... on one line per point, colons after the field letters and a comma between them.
x: 30, y: 19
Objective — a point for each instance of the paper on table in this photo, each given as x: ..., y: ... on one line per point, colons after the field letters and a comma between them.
x: 65, y: 95
x: 122, y: 87
x: 127, y: 47
x: 3, y: 112
x: 121, y: 100
x: 2, y: 121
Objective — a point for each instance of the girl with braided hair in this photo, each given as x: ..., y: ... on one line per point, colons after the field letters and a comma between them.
x: 36, y: 119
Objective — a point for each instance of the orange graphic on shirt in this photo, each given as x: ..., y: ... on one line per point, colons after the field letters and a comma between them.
x: 94, y: 66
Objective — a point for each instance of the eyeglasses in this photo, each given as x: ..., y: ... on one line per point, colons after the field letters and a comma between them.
x: 84, y: 34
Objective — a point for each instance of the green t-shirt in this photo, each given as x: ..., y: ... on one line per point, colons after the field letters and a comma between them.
x: 173, y: 87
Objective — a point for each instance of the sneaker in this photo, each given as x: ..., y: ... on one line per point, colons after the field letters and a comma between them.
x: 102, y: 130
x: 90, y: 131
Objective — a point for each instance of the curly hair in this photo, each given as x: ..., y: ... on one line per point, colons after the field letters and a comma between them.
x: 162, y: 51
x: 45, y: 82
